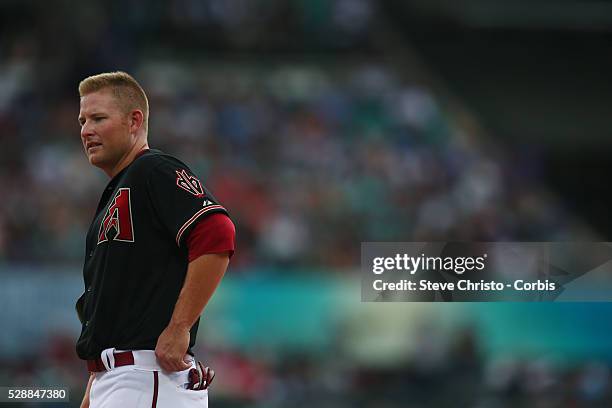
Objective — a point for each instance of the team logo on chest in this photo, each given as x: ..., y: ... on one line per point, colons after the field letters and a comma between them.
x: 117, y: 222
x: 189, y: 183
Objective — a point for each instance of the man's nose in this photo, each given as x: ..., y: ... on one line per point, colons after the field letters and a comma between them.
x: 86, y: 130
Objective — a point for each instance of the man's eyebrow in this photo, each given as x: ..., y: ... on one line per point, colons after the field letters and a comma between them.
x: 95, y: 113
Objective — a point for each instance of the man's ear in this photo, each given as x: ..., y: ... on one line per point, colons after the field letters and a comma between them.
x: 136, y: 120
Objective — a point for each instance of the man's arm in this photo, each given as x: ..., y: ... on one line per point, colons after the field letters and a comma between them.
x: 85, y: 402
x: 203, y: 276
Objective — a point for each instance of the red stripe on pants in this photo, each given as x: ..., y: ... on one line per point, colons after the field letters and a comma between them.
x: 155, y: 388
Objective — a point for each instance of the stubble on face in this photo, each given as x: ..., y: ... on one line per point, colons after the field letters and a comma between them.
x: 104, y: 129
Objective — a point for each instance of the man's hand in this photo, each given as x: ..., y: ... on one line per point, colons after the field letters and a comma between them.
x: 171, y: 348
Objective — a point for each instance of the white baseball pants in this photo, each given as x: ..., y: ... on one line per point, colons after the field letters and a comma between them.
x: 143, y: 385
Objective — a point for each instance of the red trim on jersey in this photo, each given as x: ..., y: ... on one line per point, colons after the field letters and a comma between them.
x: 155, y: 389
x: 195, y: 217
x: 214, y: 234
x: 140, y: 153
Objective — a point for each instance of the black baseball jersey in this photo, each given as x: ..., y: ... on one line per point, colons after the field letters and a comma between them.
x: 136, y: 256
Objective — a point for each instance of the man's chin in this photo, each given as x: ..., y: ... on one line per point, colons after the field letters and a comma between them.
x: 96, y: 160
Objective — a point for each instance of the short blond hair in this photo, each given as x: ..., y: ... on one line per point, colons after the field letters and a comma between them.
x: 124, y: 87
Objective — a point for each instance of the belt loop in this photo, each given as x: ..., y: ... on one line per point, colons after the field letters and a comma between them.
x: 108, y: 358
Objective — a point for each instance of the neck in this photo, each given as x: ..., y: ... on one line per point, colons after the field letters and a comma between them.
x: 127, y: 158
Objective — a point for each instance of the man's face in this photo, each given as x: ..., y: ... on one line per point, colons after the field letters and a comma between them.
x: 105, y: 130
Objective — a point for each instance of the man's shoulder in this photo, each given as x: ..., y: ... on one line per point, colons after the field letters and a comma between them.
x: 156, y: 159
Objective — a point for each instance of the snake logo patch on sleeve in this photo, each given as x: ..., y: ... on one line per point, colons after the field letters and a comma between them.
x: 189, y: 183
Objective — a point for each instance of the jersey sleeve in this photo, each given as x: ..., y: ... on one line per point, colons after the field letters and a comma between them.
x: 179, y: 199
x: 214, y: 234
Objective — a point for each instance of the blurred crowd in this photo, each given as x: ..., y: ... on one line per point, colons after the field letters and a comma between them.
x: 461, y: 377
x: 310, y: 159
x: 312, y: 143
x: 311, y: 156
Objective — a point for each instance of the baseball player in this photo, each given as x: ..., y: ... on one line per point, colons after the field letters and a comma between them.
x: 156, y: 250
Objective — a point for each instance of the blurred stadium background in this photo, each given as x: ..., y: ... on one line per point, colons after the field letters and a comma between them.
x: 321, y: 124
